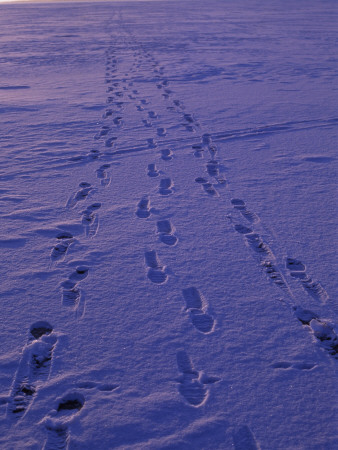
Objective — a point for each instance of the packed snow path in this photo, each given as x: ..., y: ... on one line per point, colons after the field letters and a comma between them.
x: 167, y: 209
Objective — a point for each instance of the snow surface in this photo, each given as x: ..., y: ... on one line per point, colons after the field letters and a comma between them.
x: 168, y: 222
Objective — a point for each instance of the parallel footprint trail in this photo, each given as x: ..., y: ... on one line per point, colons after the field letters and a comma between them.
x: 197, y: 306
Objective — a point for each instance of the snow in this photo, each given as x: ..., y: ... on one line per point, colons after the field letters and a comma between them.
x: 168, y: 223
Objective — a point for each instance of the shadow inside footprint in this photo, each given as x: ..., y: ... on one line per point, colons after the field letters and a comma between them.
x: 244, y: 439
x: 57, y: 427
x: 202, y: 321
x: 71, y: 402
x: 155, y: 273
x: 38, y: 329
x: 165, y: 186
x: 165, y: 231
x: 166, y: 154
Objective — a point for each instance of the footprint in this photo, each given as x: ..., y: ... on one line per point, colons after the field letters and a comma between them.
x: 188, y: 118
x: 241, y: 207
x: 242, y: 229
x: 90, y: 220
x: 147, y: 124
x: 185, y: 365
x: 320, y: 329
x: 326, y: 334
x: 165, y: 186
x: 117, y: 120
x: 206, y: 139
x: 209, y: 189
x: 304, y: 315
x: 152, y: 171
x: 107, y: 113
x: 197, y: 306
x: 259, y: 246
x: 82, y: 194
x: 165, y: 230
x: 100, y: 387
x: 71, y: 294
x: 103, y: 132
x: 58, y: 435
x: 213, y: 168
x: 244, y: 439
x: 193, y: 299
x: 212, y: 150
x: 34, y: 368
x: 152, y: 143
x: 194, y: 392
x: 257, y: 243
x: 39, y: 329
x: 110, y: 142
x: 80, y: 273
x: 198, y: 150
x: 314, y: 288
x: 93, y: 154
x: 192, y: 383
x: 166, y: 154
x: 70, y: 403
x: 274, y: 274
x: 201, y: 180
x: 156, y: 272
x: 161, y: 131
x: 152, y: 114
x: 59, y: 251
x: 289, y: 365
x: 139, y: 108
x: 294, y: 265
x: 102, y: 175
x: 143, y: 208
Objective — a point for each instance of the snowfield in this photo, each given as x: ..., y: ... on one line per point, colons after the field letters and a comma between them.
x: 168, y: 225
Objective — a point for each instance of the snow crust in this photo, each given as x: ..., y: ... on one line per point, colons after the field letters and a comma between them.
x: 168, y: 213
